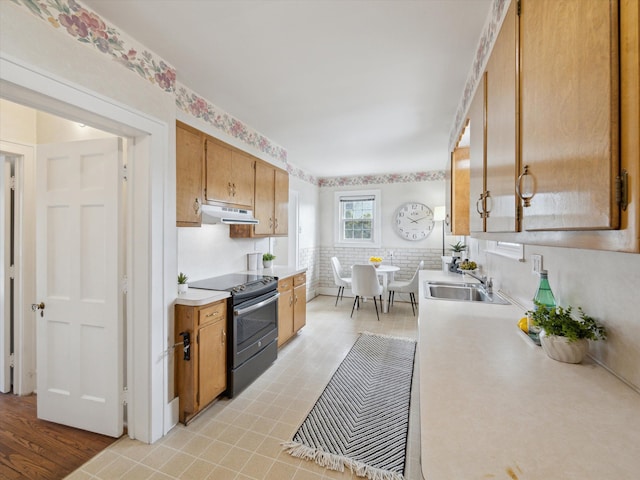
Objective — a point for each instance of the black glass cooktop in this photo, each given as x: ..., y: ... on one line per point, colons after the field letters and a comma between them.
x: 234, y: 282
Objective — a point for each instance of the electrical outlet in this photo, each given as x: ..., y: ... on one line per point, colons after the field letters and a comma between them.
x: 536, y: 263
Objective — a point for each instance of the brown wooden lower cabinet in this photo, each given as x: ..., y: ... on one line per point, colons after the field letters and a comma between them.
x: 201, y: 377
x: 292, y: 306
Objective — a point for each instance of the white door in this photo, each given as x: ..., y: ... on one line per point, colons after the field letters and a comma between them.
x: 79, y: 330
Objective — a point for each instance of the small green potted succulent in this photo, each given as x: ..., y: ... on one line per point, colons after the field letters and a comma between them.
x: 267, y: 260
x: 457, y: 249
x: 563, y: 337
x: 182, y: 283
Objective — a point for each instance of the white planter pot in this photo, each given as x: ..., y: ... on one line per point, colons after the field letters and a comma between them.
x: 183, y: 287
x: 561, y: 349
x: 267, y: 263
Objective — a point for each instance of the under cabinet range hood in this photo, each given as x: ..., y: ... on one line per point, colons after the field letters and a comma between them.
x: 231, y: 216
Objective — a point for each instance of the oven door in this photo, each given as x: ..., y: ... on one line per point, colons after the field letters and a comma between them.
x: 255, y: 325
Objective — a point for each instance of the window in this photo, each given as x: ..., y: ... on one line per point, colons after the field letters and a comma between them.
x: 358, y: 215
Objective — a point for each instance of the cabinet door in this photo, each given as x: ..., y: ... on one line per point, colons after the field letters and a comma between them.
x: 501, y: 129
x: 243, y: 179
x: 477, y: 154
x: 285, y: 315
x: 459, y: 211
x: 212, y: 362
x: 265, y: 184
x: 281, y: 203
x: 189, y: 176
x: 569, y: 112
x: 299, y: 307
x: 219, y: 172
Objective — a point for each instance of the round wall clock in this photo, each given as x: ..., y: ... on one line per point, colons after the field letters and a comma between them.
x: 414, y: 221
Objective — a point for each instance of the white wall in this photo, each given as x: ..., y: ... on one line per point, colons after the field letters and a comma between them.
x: 431, y: 193
x: 604, y: 284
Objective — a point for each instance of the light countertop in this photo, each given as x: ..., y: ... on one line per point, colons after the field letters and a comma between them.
x: 279, y: 271
x: 195, y: 297
x: 493, y: 405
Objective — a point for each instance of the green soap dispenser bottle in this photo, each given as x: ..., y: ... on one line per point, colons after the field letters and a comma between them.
x: 544, y: 296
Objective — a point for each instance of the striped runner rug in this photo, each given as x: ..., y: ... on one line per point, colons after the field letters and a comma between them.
x: 361, y: 420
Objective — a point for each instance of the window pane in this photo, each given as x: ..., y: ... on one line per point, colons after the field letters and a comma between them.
x: 356, y: 218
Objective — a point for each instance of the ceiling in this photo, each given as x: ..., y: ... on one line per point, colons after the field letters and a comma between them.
x: 347, y: 87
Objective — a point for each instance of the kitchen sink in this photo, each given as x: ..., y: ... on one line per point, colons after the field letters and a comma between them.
x: 461, y: 292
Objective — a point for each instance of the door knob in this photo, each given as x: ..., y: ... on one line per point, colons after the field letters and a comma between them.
x: 38, y: 306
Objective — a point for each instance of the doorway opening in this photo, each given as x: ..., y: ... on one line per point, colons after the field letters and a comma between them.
x: 61, y: 235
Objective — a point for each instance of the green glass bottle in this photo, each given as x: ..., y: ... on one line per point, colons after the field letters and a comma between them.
x: 544, y: 296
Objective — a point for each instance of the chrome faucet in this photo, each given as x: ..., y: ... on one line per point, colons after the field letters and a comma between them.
x: 486, y: 282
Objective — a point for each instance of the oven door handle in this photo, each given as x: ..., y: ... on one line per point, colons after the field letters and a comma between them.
x: 244, y: 311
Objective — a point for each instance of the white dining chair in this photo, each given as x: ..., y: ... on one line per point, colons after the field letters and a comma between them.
x: 340, y: 281
x: 365, y: 283
x: 410, y: 287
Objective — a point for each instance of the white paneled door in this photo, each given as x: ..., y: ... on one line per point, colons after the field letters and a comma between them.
x: 78, y: 307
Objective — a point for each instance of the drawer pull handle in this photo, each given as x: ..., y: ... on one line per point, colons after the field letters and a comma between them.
x: 211, y: 314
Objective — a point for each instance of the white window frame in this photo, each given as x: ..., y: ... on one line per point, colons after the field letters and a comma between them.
x: 506, y: 249
x: 376, y: 227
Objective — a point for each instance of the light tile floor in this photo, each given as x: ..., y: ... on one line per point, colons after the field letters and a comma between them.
x: 240, y: 438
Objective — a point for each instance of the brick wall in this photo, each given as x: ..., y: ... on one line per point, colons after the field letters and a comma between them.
x: 309, y: 259
x: 405, y: 258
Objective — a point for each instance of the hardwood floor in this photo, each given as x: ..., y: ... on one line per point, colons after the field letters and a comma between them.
x: 37, y: 449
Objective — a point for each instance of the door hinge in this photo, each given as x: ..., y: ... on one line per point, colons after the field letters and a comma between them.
x: 519, y: 9
x: 11, y: 270
x: 12, y: 182
x: 12, y: 360
x: 124, y: 285
x: 124, y: 396
x: 123, y: 172
x: 622, y: 189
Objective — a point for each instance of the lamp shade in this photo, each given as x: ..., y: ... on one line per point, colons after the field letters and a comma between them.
x: 439, y: 213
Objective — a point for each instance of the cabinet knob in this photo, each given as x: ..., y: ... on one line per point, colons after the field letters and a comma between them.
x: 196, y: 206
x: 488, y: 204
x: 526, y: 186
x: 479, y: 205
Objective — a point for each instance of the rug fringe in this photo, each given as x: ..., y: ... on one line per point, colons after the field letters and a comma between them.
x: 338, y: 462
x: 393, y: 337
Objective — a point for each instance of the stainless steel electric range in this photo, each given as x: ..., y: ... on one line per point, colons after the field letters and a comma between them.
x: 252, y: 317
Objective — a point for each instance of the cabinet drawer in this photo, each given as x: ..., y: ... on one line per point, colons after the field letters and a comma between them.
x: 212, y: 313
x: 285, y: 284
x: 299, y: 279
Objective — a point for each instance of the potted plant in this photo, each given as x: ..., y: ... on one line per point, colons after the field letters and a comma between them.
x: 182, y: 283
x: 267, y: 260
x: 563, y: 337
x: 457, y: 249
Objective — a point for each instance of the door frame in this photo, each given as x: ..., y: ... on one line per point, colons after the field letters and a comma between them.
x: 148, y: 218
x: 24, y: 278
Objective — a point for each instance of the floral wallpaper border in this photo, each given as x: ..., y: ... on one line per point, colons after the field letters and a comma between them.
x: 88, y: 28
x: 382, y: 179
x: 198, y: 107
x: 488, y: 38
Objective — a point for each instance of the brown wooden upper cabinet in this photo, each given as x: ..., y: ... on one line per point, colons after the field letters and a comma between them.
x: 189, y: 175
x: 559, y: 103
x: 456, y: 221
x: 271, y: 204
x: 229, y: 175
x: 493, y: 146
x: 569, y: 92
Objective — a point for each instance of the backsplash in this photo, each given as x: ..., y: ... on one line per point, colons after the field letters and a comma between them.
x: 405, y: 258
x: 600, y: 282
